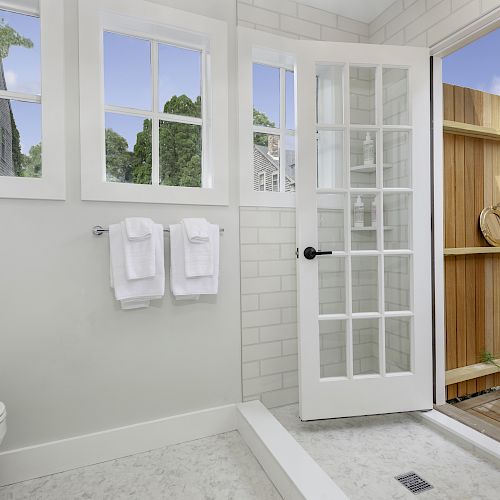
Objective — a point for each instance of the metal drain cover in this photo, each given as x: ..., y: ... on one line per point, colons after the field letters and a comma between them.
x: 414, y: 482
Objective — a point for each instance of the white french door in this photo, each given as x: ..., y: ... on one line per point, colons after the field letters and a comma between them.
x: 363, y: 198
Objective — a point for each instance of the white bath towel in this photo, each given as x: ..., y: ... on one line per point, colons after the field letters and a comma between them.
x: 139, y: 252
x: 137, y: 292
x: 197, y: 229
x: 180, y: 284
x: 198, y: 257
x: 138, y: 228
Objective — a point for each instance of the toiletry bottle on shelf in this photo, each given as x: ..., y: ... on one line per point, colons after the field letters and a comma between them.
x: 374, y: 213
x: 359, y: 213
x: 368, y: 150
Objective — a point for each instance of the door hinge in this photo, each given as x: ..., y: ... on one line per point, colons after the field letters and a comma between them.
x: 297, y: 253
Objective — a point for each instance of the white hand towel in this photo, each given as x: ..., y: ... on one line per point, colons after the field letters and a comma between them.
x: 138, y: 292
x: 138, y: 228
x: 180, y: 284
x: 196, y: 229
x: 139, y: 255
x: 198, y: 257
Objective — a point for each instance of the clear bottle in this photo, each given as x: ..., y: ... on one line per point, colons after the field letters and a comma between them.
x: 368, y: 150
x: 359, y: 213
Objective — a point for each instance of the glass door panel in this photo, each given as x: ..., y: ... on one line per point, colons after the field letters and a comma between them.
x: 365, y: 346
x: 362, y: 95
x: 333, y: 348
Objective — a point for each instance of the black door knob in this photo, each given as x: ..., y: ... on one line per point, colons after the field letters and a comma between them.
x: 310, y: 253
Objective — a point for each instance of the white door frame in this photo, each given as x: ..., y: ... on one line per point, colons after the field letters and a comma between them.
x: 438, y: 51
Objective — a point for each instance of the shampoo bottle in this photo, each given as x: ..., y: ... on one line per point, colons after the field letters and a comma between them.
x: 368, y: 150
x: 359, y: 213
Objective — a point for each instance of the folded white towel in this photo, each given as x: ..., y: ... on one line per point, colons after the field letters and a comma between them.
x: 180, y: 284
x: 138, y: 228
x: 197, y: 229
x: 198, y: 257
x: 139, y: 255
x: 137, y: 292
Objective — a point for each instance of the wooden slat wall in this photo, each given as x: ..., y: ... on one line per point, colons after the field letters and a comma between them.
x: 472, y: 282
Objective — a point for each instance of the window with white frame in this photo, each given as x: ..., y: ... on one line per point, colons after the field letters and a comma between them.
x: 158, y: 71
x: 262, y: 181
x: 32, y: 130
x: 153, y: 112
x: 20, y: 95
x: 274, y: 126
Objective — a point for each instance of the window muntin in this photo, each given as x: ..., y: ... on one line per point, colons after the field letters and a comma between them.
x: 169, y: 147
x: 273, y: 127
x: 20, y: 96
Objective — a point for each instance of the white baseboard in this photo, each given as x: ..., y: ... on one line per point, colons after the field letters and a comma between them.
x: 58, y: 456
x: 291, y: 469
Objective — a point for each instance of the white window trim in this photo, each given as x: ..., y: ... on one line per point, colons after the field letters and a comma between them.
x: 265, y: 48
x: 52, y: 184
x: 154, y: 22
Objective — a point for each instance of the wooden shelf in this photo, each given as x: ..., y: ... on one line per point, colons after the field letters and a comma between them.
x: 470, y: 372
x: 470, y: 250
x: 469, y: 130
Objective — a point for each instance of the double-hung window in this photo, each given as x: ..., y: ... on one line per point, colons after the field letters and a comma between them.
x: 161, y: 75
x: 31, y: 123
x: 267, y: 119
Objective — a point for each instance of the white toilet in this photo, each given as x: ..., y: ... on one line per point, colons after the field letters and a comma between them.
x: 3, y: 421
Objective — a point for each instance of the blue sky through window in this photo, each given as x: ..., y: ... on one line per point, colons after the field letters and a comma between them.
x: 476, y: 65
x: 266, y: 91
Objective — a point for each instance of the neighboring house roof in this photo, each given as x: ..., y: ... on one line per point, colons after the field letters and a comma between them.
x: 289, y: 158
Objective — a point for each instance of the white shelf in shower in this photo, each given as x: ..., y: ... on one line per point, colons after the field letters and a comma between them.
x: 370, y: 228
x: 368, y: 169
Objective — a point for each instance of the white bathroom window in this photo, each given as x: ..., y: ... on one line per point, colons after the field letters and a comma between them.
x: 32, y: 123
x: 262, y: 181
x: 267, y: 119
x: 158, y: 72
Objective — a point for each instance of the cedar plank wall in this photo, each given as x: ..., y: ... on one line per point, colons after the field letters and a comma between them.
x: 472, y: 282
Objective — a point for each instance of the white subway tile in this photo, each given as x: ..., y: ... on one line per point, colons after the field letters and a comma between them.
x: 277, y: 300
x: 278, y: 332
x: 249, y: 235
x: 317, y: 16
x: 299, y: 26
x: 287, y: 219
x: 283, y: 267
x: 290, y: 346
x: 458, y: 4
x: 281, y: 397
x: 287, y: 251
x: 277, y: 235
x: 413, y: 12
x: 278, y: 365
x: 249, y: 302
x: 258, y: 16
x: 336, y: 35
x: 260, y: 252
x: 259, y: 318
x: 431, y: 17
x: 289, y: 282
x: 281, y: 6
x: 246, y: 24
x: 352, y: 26
x: 378, y: 36
x: 390, y: 13
x: 418, y: 41
x: 249, y: 269
x: 289, y: 315
x: 291, y: 379
x: 249, y: 336
x: 250, y: 370
x: 487, y: 5
x: 453, y: 22
x: 261, y: 284
x: 261, y: 384
x: 259, y: 218
x: 397, y: 39
x: 261, y: 351
x: 278, y: 32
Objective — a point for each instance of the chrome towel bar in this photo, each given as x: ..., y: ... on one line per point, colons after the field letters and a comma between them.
x: 99, y: 230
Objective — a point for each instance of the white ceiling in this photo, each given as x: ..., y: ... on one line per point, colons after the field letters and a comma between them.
x: 361, y: 10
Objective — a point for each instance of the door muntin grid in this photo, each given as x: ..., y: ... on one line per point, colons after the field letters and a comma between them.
x: 384, y: 238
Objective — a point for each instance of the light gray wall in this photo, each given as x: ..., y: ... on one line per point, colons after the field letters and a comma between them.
x: 71, y: 362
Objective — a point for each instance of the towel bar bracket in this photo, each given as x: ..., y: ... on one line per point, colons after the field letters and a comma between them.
x: 99, y: 230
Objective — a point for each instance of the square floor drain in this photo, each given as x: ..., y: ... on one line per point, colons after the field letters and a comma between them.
x: 413, y: 482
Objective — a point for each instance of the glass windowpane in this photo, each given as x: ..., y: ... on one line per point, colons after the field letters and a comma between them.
x: 365, y: 335
x: 127, y: 59
x: 128, y: 149
x: 266, y: 95
x: 397, y: 214
x: 180, y: 154
x: 363, y: 158
x: 331, y: 209
x: 397, y: 282
x: 329, y: 94
x: 395, y: 96
x: 397, y: 159
x: 331, y: 280
x: 266, y: 160
x: 290, y: 100
x: 290, y: 163
x: 179, y: 80
x: 364, y: 209
x: 330, y: 159
x: 364, y: 284
x: 332, y: 345
x: 398, y: 344
x: 362, y: 95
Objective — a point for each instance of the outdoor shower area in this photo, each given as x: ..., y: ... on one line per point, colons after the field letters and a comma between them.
x: 472, y: 265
